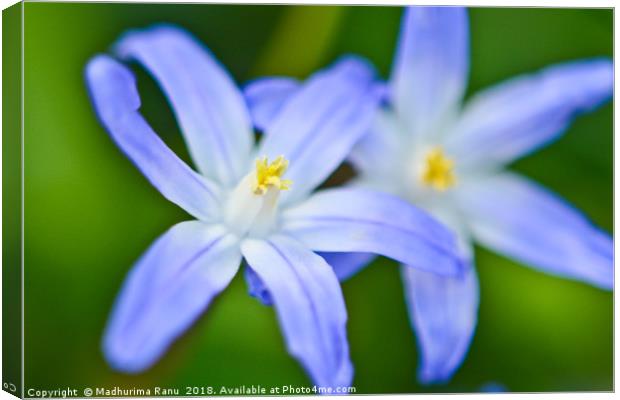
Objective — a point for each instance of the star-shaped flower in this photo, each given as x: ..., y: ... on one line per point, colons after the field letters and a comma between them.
x: 448, y: 158
x: 251, y: 201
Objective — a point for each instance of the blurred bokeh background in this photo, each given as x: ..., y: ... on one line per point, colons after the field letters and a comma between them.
x: 89, y: 214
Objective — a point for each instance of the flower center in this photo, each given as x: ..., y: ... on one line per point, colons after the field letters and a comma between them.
x: 270, y: 175
x: 252, y: 206
x: 438, y: 170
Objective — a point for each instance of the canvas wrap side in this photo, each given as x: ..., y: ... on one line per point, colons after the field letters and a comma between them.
x: 11, y: 200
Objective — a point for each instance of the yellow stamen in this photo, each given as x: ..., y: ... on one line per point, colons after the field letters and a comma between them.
x: 270, y: 175
x: 438, y: 170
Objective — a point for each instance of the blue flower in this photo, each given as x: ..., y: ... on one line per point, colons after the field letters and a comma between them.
x: 449, y: 159
x: 251, y: 201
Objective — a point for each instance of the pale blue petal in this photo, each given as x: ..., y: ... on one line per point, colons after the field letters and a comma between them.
x: 115, y: 97
x: 208, y: 105
x: 522, y: 220
x: 346, y: 265
x: 266, y: 97
x: 256, y: 287
x: 381, y: 152
x: 309, y: 304
x: 319, y: 125
x: 360, y: 220
x: 443, y: 312
x: 522, y: 114
x: 166, y: 291
x: 430, y: 69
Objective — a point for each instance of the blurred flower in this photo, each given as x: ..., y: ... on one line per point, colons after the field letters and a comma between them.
x: 493, y: 387
x: 449, y: 159
x: 252, y: 202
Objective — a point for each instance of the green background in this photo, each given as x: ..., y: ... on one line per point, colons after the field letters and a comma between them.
x: 89, y: 214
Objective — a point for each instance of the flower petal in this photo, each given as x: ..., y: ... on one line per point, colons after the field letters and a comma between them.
x: 381, y: 152
x: 257, y: 288
x: 208, y: 105
x: 443, y: 312
x: 520, y: 219
x: 266, y: 97
x: 319, y: 125
x: 309, y: 304
x: 359, y: 220
x: 522, y: 114
x: 430, y: 69
x: 346, y: 265
x: 166, y: 291
x: 115, y: 96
